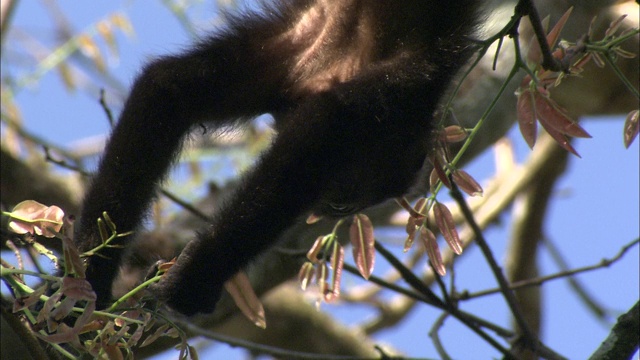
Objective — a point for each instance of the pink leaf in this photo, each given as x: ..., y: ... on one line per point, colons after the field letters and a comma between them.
x: 467, y: 183
x: 337, y: 262
x: 554, y: 34
x: 65, y: 334
x: 453, y: 134
x: 553, y: 115
x: 560, y: 138
x: 25, y: 302
x: 322, y: 274
x: 447, y: 227
x: 614, y: 26
x: 440, y: 173
x: 433, y: 251
x: 32, y: 217
x: 242, y: 293
x: 631, y: 128
x: 414, y: 222
x: 412, y: 212
x: 361, y: 235
x: 313, y: 218
x: 160, y: 331
x: 72, y: 261
x: 305, y: 275
x: 527, y: 117
x: 77, y: 289
x: 408, y: 242
x: 317, y: 246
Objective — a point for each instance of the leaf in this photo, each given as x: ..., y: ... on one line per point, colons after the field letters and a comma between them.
x: 159, y: 332
x: 420, y: 207
x: 598, y: 60
x: 631, y: 128
x: 113, y: 352
x: 467, y: 183
x: 361, y: 236
x: 552, y: 114
x: 527, y: 117
x: 72, y: 261
x: 337, y: 262
x: 317, y: 246
x: 313, y: 218
x: 305, y: 275
x: 413, y: 224
x: 48, y: 306
x: 447, y: 227
x: 67, y: 76
x: 85, y: 317
x: 243, y: 295
x: 26, y: 301
x: 413, y: 212
x: 77, y: 289
x: 453, y: 134
x: 62, y: 309
x: 64, y: 334
x: 614, y: 26
x: 554, y: 34
x: 90, y: 49
x: 105, y: 30
x: 440, y: 173
x: 123, y: 23
x: 559, y: 137
x: 624, y: 53
x: 433, y: 251
x: 193, y: 353
x: 322, y: 274
x: 33, y: 217
x: 409, y: 242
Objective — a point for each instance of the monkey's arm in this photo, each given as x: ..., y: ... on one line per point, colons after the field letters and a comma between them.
x: 214, y: 82
x: 354, y: 147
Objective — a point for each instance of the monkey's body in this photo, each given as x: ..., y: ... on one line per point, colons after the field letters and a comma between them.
x: 352, y: 84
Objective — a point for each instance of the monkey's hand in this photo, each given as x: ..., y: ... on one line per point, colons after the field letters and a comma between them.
x: 188, y: 295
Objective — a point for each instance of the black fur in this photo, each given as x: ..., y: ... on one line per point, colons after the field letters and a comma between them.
x: 352, y: 84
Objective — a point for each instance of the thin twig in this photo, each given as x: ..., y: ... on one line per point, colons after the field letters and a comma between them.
x: 435, y: 337
x: 409, y: 276
x: 421, y: 287
x: 563, y: 274
x: 106, y: 108
x: 579, y: 289
x: 259, y: 348
x: 37, y: 139
x: 526, y: 7
x: 500, y: 331
x: 186, y: 205
x: 63, y: 163
x: 391, y: 286
x: 495, y: 268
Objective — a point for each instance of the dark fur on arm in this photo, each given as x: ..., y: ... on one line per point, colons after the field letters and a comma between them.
x: 353, y: 86
x: 208, y: 83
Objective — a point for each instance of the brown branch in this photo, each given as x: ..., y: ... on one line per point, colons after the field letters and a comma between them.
x: 528, y: 218
x: 622, y: 341
x: 530, y: 338
x: 526, y: 7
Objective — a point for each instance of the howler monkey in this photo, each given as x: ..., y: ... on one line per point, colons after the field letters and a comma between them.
x: 352, y: 85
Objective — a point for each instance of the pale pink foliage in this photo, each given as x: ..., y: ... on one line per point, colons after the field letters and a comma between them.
x: 32, y: 217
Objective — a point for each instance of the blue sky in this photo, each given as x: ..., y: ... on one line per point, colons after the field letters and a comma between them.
x: 595, y: 212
